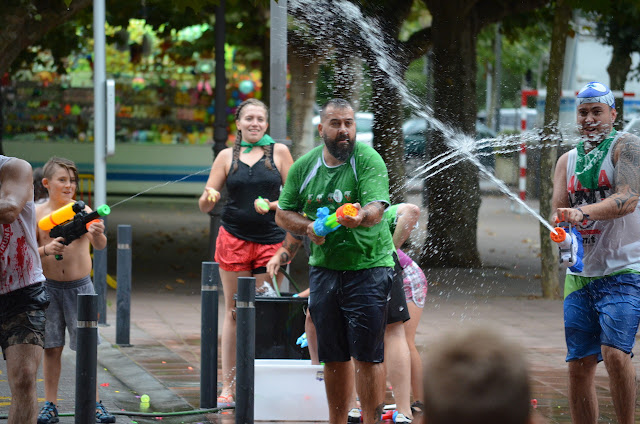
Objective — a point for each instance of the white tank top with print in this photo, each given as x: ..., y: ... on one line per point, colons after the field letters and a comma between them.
x: 609, y: 245
x: 20, y: 264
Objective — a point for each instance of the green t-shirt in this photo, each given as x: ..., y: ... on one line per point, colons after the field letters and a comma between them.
x: 362, y: 179
x: 391, y: 217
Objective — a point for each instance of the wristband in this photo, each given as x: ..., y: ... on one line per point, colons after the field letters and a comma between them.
x: 585, y: 216
x: 44, y: 250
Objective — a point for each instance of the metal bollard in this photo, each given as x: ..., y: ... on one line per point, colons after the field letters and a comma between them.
x: 100, y: 280
x: 245, y: 349
x: 209, y: 335
x: 123, y: 292
x: 86, y: 358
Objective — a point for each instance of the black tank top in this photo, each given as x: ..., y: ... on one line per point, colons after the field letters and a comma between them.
x: 239, y: 216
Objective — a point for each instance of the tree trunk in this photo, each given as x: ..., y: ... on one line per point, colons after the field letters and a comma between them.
x: 550, y: 139
x: 618, y: 69
x: 304, y: 75
x: 387, y: 132
x: 454, y: 193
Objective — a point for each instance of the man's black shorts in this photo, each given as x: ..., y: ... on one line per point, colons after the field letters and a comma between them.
x: 349, y: 310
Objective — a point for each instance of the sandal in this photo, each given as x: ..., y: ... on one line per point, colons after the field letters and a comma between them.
x: 102, y: 415
x: 226, y: 402
x: 417, y: 407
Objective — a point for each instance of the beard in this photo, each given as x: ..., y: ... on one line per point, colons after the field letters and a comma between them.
x: 594, y: 138
x: 338, y: 151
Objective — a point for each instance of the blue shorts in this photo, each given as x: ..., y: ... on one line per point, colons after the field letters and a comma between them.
x: 349, y: 310
x: 606, y: 311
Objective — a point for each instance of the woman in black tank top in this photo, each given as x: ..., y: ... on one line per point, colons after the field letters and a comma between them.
x: 255, y: 167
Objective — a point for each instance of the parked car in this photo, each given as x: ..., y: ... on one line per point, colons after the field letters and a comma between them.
x: 633, y: 126
x: 510, y: 118
x: 364, y: 127
x: 416, y: 134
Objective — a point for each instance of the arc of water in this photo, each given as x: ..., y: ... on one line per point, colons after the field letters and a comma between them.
x: 315, y: 13
x: 161, y: 185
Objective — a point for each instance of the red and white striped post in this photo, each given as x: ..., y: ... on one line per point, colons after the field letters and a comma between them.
x: 522, y: 180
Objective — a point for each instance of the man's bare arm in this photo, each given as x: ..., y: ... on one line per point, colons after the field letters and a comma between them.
x: 16, y: 189
x: 627, y: 177
x: 368, y: 216
x: 291, y: 243
x: 292, y: 221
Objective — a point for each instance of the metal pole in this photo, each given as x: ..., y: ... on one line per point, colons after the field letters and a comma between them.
x: 209, y: 335
x: 99, y: 104
x: 100, y: 280
x: 123, y: 293
x: 220, y: 124
x: 498, y: 78
x: 86, y: 358
x: 278, y: 95
x: 99, y: 147
x: 245, y: 349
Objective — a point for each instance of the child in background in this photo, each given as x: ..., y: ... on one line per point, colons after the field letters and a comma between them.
x: 40, y: 194
x: 65, y: 279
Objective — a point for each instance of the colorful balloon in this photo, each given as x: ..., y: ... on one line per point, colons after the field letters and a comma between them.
x: 246, y: 86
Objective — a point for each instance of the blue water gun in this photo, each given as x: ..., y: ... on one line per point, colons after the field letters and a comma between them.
x: 302, y: 340
x: 326, y: 223
x: 570, y: 244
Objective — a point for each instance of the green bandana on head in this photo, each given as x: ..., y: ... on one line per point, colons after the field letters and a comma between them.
x: 588, y: 164
x: 264, y: 141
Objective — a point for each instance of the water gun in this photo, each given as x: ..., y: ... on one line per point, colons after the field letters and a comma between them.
x: 326, y: 223
x: 302, y: 340
x: 263, y: 204
x: 71, y: 221
x: 570, y: 244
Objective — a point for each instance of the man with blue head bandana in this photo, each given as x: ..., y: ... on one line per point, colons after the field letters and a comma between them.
x: 596, y: 189
x: 595, y: 92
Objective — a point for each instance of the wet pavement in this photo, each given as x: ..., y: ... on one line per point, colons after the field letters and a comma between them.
x: 163, y: 361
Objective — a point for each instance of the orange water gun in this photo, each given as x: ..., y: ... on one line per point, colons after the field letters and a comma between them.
x: 71, y: 221
x: 326, y: 223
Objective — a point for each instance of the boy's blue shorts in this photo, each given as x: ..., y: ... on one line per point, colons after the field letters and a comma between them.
x: 606, y: 311
x: 349, y: 310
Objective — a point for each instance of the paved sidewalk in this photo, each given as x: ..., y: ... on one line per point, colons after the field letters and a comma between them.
x: 164, y: 359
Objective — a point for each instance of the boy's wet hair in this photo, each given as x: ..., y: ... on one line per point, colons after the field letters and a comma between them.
x: 52, y: 165
x: 39, y: 191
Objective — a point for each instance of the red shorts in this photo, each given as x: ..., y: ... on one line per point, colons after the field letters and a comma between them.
x: 234, y: 254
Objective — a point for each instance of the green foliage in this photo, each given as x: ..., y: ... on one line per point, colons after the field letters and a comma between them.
x: 163, y: 20
x: 525, y: 46
x: 618, y: 25
x: 418, y: 18
x: 65, y: 40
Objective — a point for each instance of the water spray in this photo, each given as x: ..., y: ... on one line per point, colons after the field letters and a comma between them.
x: 161, y: 185
x: 462, y: 147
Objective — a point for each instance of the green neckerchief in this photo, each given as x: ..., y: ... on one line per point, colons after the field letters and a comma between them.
x: 588, y: 164
x: 264, y: 141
